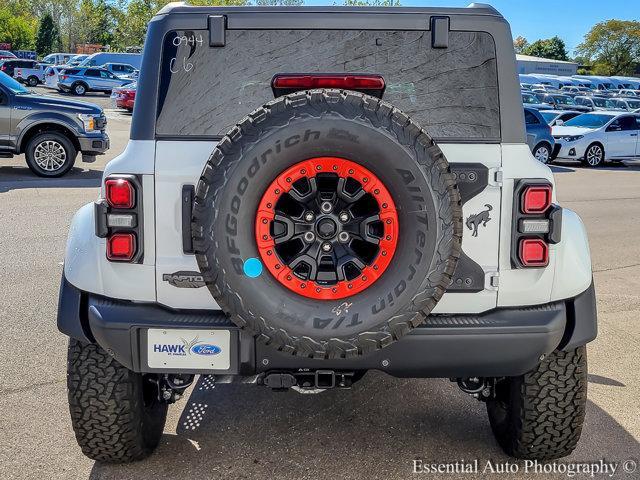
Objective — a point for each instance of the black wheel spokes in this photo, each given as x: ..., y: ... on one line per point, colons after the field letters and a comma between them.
x: 327, y: 229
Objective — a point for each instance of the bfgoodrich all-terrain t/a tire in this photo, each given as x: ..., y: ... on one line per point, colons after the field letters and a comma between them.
x: 114, y: 412
x: 327, y: 223
x: 539, y: 415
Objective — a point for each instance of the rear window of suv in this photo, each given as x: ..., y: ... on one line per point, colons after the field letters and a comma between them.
x: 452, y: 93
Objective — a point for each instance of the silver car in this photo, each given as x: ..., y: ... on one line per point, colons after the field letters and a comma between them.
x: 80, y: 80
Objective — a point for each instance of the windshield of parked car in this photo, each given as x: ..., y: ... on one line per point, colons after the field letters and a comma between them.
x: 548, y: 116
x: 633, y: 104
x: 604, y: 103
x: 8, y: 82
x: 564, y: 100
x: 529, y: 98
x: 589, y: 120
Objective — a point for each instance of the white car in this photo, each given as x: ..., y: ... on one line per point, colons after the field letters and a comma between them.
x: 51, y: 76
x: 628, y: 104
x: 558, y: 117
x: 598, y: 136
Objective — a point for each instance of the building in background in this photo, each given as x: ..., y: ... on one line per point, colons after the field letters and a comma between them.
x: 529, y: 64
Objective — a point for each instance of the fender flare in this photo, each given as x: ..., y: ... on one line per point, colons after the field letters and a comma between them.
x: 43, y: 119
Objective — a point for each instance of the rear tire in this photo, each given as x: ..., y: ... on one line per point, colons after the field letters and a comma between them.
x: 539, y: 415
x: 542, y: 153
x: 115, y: 414
x: 32, y: 81
x: 79, y: 88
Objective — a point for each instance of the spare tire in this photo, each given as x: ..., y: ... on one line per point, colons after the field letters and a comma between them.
x: 327, y: 224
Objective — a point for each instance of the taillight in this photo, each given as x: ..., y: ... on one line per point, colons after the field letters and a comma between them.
x: 119, y: 218
x: 121, y: 247
x: 120, y: 193
x: 283, y: 84
x: 63, y: 77
x: 537, y: 223
x: 534, y: 252
x: 536, y: 199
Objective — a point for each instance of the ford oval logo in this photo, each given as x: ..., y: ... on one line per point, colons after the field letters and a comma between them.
x: 206, y: 349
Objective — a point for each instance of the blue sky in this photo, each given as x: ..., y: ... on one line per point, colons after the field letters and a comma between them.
x: 569, y: 19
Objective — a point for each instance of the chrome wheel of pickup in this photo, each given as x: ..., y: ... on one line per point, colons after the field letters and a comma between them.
x: 50, y: 155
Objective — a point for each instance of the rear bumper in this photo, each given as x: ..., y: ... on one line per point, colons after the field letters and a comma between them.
x: 502, y: 342
x: 125, y: 103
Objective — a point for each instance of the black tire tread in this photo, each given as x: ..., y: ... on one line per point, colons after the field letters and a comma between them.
x: 349, y: 105
x: 105, y: 403
x: 547, y: 408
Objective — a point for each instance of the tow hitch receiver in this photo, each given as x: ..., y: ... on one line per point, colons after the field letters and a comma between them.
x: 311, y: 380
x: 482, y: 389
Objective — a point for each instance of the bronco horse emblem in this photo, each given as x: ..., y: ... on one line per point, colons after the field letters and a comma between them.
x: 482, y: 218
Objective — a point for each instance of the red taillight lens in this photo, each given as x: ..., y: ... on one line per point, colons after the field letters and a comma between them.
x: 121, y: 246
x: 120, y: 193
x: 534, y: 252
x: 51, y: 73
x: 63, y: 77
x: 349, y: 82
x: 536, y: 199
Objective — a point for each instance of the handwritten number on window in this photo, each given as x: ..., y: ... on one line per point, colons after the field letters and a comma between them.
x: 190, y: 40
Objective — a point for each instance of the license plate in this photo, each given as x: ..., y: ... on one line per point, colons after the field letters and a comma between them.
x: 189, y: 349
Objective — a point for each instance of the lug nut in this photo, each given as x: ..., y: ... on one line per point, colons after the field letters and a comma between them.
x: 326, y: 247
x: 309, y: 237
x: 309, y: 216
x: 326, y: 207
x: 344, y: 217
x: 343, y: 237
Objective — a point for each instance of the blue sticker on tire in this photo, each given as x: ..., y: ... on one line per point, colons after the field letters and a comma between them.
x: 252, y: 267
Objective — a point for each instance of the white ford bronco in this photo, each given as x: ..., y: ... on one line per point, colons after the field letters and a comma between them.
x: 312, y: 193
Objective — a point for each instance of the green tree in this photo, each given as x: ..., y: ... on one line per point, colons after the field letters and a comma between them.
x: 613, y: 47
x: 17, y: 30
x: 553, y: 48
x: 48, y: 36
x: 520, y: 44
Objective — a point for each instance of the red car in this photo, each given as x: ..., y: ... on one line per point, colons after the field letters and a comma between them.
x: 125, y: 96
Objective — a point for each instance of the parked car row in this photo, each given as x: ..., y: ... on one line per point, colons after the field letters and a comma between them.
x: 591, y: 138
x: 77, y: 74
x: 587, y: 118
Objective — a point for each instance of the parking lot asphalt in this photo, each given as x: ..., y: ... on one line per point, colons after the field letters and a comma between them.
x: 373, y: 431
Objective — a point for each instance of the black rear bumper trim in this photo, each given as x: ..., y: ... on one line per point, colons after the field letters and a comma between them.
x: 501, y: 342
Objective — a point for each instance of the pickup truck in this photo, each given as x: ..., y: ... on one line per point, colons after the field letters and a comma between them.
x: 31, y: 76
x: 49, y: 131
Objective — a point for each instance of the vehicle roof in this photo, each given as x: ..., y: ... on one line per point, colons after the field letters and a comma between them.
x: 471, y: 9
x: 560, y: 112
x: 609, y: 113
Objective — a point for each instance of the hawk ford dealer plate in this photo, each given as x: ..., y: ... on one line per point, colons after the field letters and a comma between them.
x: 189, y: 349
